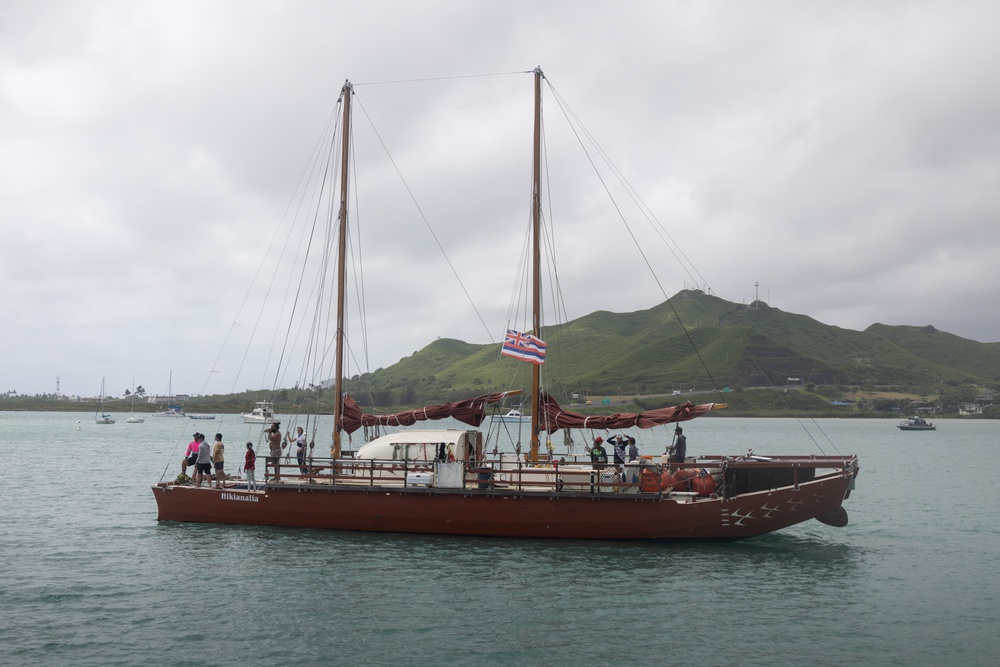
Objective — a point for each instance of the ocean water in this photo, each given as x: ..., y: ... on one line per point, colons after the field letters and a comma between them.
x: 89, y: 577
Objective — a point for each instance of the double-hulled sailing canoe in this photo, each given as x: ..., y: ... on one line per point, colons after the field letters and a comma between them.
x: 446, y: 482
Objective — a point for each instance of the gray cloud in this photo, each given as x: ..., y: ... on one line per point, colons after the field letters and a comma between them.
x: 844, y: 155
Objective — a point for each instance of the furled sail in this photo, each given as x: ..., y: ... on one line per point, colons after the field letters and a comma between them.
x: 471, y: 411
x: 552, y: 417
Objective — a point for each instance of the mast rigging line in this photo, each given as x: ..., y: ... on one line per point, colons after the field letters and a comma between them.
x: 798, y: 420
x: 295, y: 201
x: 278, y: 373
x: 427, y: 223
x: 570, y: 118
x: 674, y: 247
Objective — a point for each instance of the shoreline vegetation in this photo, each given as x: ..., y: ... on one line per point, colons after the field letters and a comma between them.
x: 793, y: 401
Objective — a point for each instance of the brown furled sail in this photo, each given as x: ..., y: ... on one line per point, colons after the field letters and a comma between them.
x: 470, y: 411
x: 553, y: 417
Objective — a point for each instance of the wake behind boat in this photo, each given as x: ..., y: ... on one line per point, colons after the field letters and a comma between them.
x: 447, y: 482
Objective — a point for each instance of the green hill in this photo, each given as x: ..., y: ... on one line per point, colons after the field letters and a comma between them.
x: 695, y: 342
x: 720, y: 344
x: 972, y: 357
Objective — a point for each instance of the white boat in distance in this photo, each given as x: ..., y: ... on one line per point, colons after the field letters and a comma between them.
x: 134, y: 418
x: 102, y: 417
x: 171, y: 411
x: 262, y: 414
x: 515, y: 416
x: 915, y: 423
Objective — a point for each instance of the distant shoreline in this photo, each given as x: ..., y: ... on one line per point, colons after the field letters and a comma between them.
x: 83, y: 407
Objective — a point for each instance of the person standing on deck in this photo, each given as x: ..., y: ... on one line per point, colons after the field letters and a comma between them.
x: 618, y: 443
x: 204, y: 465
x: 250, y: 467
x: 633, y: 455
x: 680, y: 446
x: 274, y: 442
x: 598, y: 455
x: 218, y: 456
x: 300, y: 448
x: 191, y: 455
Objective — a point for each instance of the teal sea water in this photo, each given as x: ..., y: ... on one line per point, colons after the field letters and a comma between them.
x: 88, y: 576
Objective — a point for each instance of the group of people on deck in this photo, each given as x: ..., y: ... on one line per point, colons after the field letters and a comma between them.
x: 624, y: 450
x: 202, y: 457
x: 276, y: 445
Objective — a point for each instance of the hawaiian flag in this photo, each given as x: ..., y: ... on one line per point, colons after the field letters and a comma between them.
x: 524, y: 347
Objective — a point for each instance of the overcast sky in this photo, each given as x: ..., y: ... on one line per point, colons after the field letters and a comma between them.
x: 844, y: 155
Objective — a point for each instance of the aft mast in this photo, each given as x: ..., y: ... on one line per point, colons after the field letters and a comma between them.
x: 536, y: 210
x: 338, y: 403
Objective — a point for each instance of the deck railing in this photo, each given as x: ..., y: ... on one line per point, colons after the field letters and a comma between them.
x: 570, y: 475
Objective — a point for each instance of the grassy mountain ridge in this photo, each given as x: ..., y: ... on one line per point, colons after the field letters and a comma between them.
x: 695, y: 340
x: 947, y: 349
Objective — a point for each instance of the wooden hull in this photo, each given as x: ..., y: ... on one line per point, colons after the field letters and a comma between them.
x: 507, y: 514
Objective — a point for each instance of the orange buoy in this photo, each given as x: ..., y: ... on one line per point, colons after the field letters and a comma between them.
x: 665, y: 480
x: 704, y: 484
x: 681, y: 481
x: 648, y: 482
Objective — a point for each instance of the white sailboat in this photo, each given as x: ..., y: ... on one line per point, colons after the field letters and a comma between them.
x: 171, y: 410
x: 101, y: 417
x: 134, y: 418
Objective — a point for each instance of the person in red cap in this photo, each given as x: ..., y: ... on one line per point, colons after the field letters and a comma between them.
x: 598, y: 455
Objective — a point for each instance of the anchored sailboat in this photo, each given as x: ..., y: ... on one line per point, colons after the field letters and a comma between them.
x: 101, y: 417
x: 443, y: 481
x: 134, y: 418
x: 170, y: 410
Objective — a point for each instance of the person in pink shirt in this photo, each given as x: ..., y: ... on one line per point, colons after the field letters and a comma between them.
x: 191, y: 455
